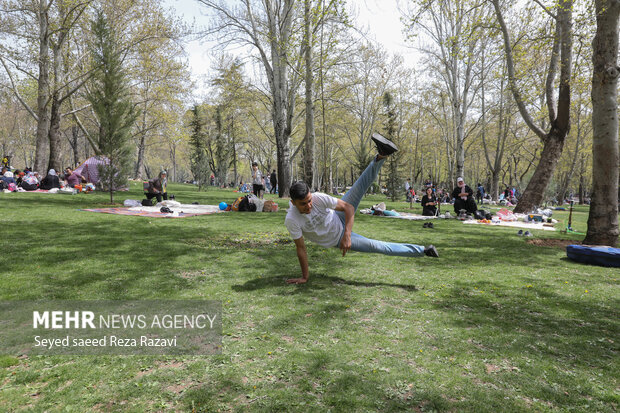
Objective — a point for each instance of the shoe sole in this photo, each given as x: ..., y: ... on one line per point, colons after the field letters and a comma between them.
x: 384, y: 145
x: 433, y: 253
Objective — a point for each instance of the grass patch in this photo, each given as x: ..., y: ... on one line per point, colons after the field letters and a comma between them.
x: 495, y: 324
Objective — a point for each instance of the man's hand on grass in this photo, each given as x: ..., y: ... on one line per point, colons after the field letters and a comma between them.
x: 296, y: 280
x: 345, y: 243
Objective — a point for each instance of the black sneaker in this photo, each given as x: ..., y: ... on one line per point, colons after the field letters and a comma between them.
x: 384, y: 145
x: 431, y: 251
x: 425, y: 225
x: 430, y: 225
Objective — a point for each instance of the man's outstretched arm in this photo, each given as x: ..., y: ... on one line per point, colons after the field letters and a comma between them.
x: 349, y: 216
x: 302, y: 255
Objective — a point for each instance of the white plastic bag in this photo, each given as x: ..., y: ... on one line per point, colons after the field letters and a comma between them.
x: 253, y: 199
x: 132, y: 203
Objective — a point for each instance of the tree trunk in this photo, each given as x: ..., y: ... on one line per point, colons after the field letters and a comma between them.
x: 582, y: 180
x: 55, y: 160
x: 234, y: 161
x: 603, y: 217
x: 560, y: 117
x: 42, y: 149
x: 309, y: 150
x: 495, y: 185
x: 284, y: 155
x: 535, y: 191
x: 75, y: 134
x: 140, y: 160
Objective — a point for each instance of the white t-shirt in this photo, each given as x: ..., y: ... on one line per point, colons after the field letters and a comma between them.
x: 321, y: 225
x: 258, y: 179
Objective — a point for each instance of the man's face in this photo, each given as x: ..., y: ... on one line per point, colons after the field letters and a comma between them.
x: 304, y: 206
x: 461, y: 183
x: 68, y: 171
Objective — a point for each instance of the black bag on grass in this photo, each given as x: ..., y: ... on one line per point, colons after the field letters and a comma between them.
x: 246, y: 206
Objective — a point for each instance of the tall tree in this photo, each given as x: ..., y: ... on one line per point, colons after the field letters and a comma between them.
x: 363, y: 82
x: 199, y: 163
x: 603, y: 217
x: 559, y: 113
x: 310, y: 138
x: 454, y: 26
x: 109, y: 97
x: 267, y: 27
x: 29, y: 22
x: 390, y: 128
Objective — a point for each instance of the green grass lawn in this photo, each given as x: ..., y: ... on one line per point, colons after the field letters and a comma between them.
x: 495, y: 324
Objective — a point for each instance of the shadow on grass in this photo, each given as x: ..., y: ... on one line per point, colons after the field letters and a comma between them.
x: 531, y: 321
x: 316, y: 282
x: 322, y: 381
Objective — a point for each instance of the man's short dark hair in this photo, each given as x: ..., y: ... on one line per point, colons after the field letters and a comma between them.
x: 299, y: 190
x: 254, y: 164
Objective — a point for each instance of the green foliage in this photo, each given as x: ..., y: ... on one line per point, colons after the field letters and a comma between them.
x: 221, y: 154
x: 393, y: 163
x: 111, y: 103
x: 199, y: 162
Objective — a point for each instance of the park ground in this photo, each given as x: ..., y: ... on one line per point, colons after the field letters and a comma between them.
x: 497, y: 323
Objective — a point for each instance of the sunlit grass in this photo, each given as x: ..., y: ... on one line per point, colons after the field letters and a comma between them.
x: 494, y: 324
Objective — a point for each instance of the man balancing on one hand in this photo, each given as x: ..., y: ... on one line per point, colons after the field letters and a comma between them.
x: 328, y: 221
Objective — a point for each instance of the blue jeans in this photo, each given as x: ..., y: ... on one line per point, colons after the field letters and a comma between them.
x: 363, y: 244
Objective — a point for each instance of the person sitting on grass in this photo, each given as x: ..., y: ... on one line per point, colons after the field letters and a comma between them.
x: 7, y: 176
x: 328, y: 221
x: 29, y: 182
x: 429, y: 203
x: 73, y: 179
x: 157, y: 187
x: 51, y: 180
x: 463, y: 197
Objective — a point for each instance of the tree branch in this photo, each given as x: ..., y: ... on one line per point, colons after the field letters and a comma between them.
x: 511, y: 75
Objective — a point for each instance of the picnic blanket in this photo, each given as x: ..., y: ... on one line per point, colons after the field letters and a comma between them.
x: 412, y: 217
x: 182, y: 211
x: 514, y: 224
x: 401, y: 215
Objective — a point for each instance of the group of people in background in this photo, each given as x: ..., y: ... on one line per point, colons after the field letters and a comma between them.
x: 462, y: 197
x: 30, y: 180
x: 260, y: 183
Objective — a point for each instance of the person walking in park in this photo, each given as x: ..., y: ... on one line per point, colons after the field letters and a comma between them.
x: 257, y: 180
x: 480, y: 193
x: 273, y: 178
x: 328, y: 221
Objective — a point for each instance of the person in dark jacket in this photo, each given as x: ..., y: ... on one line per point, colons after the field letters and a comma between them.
x: 273, y: 178
x: 157, y: 187
x: 463, y: 197
x: 429, y: 203
x: 51, y: 180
